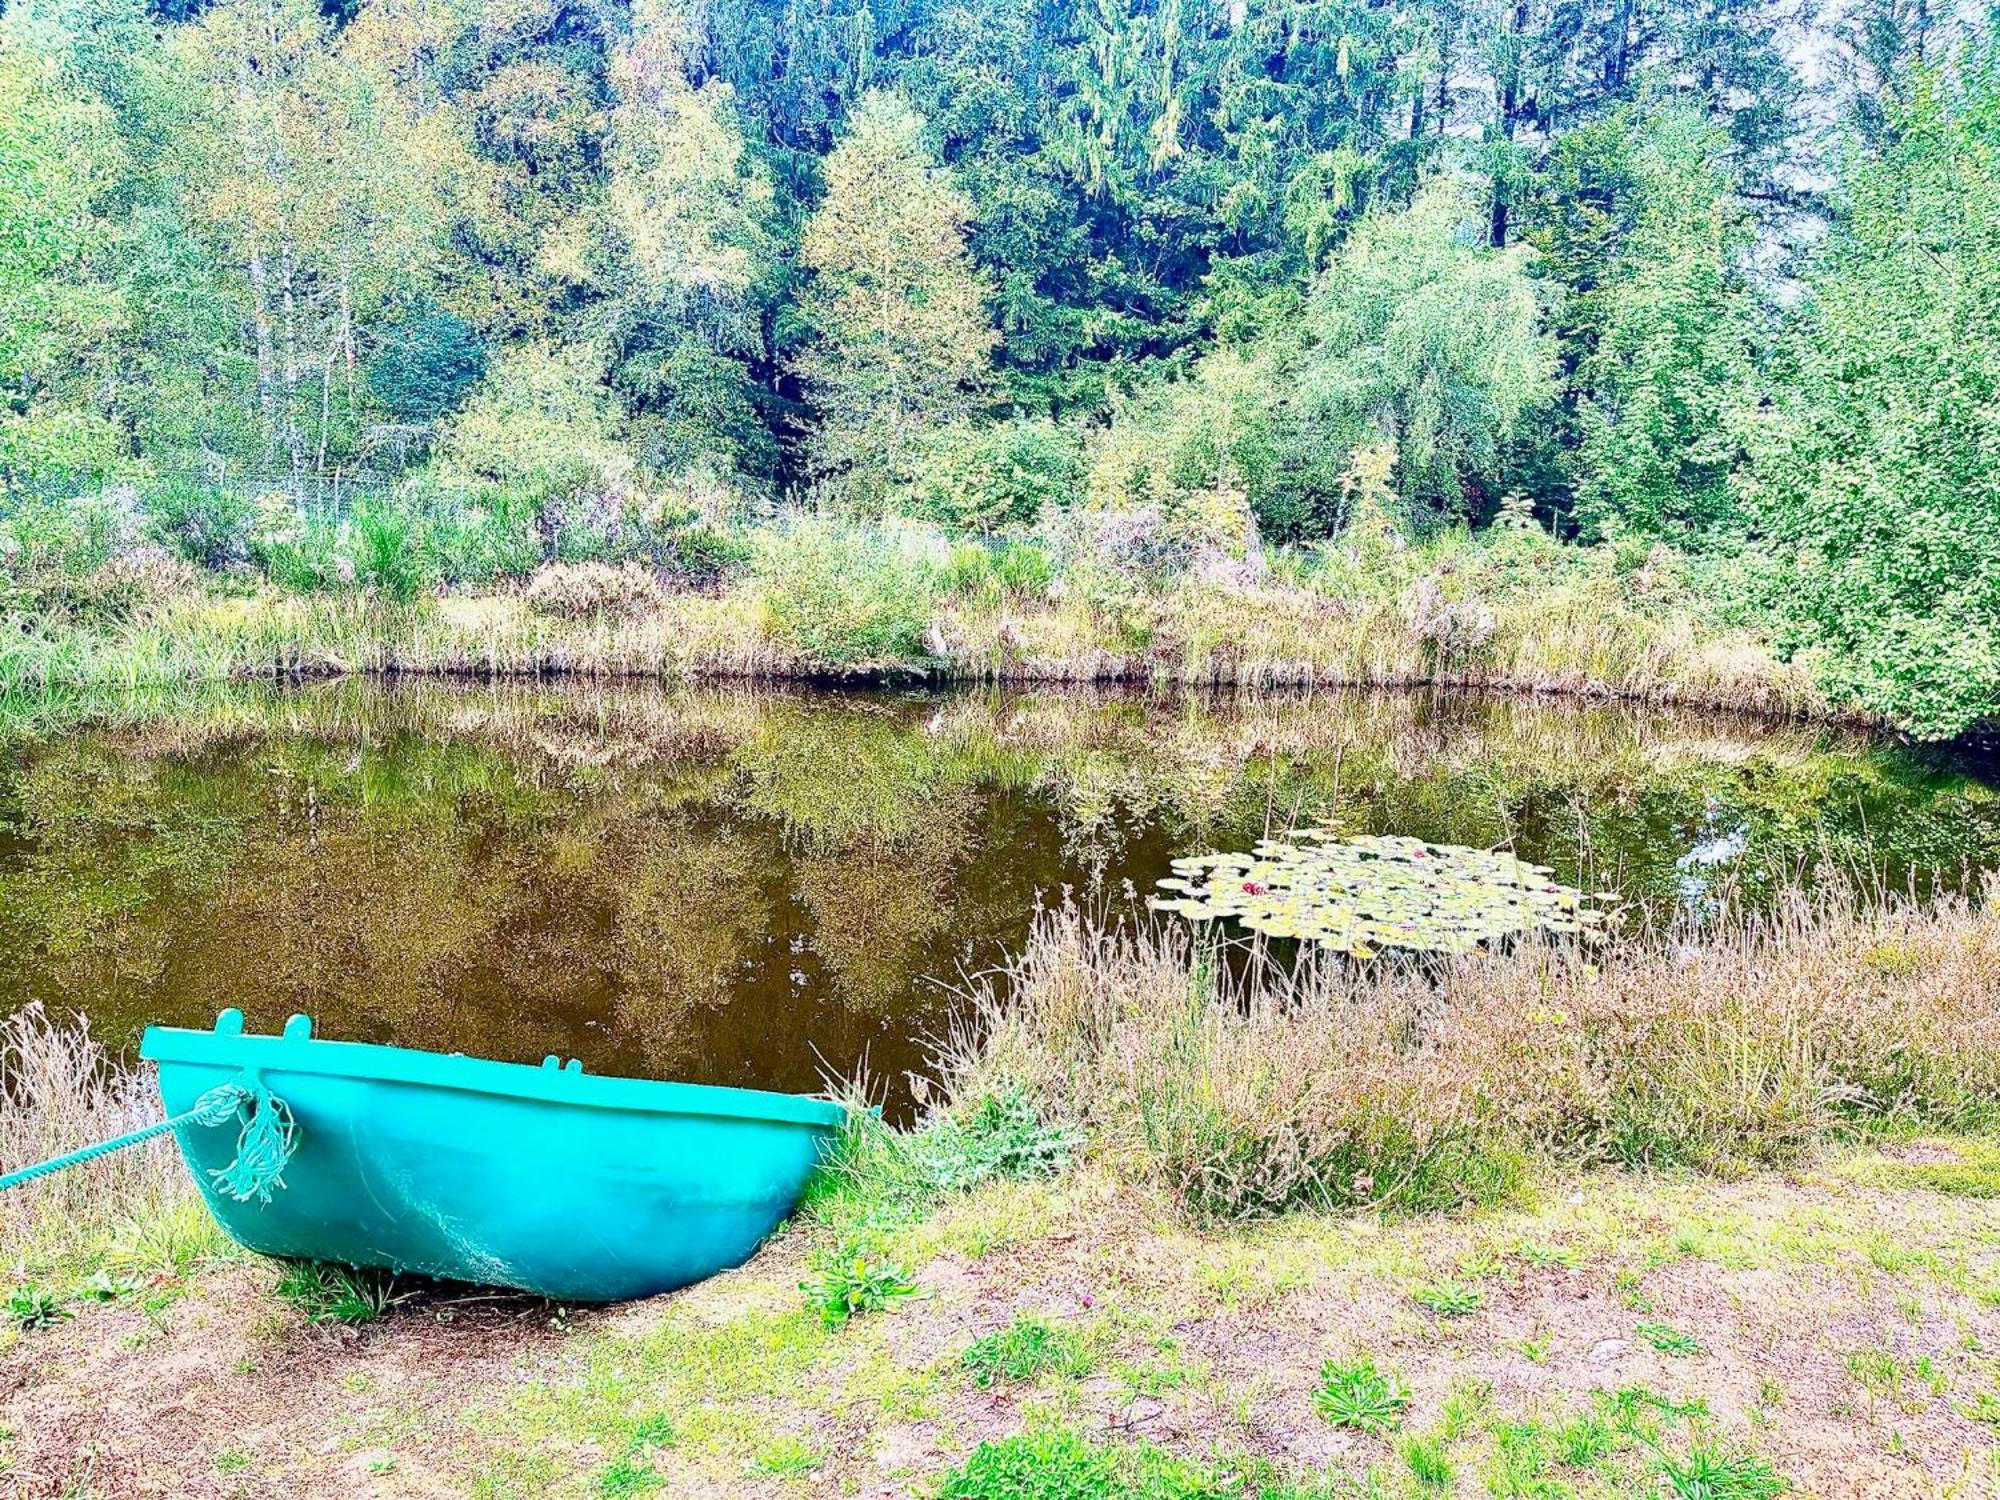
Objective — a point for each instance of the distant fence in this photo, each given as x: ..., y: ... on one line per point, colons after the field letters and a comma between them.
x: 328, y: 497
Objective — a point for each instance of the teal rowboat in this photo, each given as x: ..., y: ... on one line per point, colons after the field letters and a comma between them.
x: 548, y: 1179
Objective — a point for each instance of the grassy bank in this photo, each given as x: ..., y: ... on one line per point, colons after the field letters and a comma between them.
x: 1719, y: 1225
x: 1518, y: 612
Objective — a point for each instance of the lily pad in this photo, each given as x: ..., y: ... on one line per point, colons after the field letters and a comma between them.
x: 1361, y: 895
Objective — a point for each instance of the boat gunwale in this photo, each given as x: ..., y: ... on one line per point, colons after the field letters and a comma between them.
x: 377, y: 1062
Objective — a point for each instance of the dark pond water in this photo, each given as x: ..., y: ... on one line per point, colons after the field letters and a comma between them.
x: 759, y: 887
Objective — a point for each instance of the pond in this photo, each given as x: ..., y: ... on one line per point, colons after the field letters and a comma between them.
x: 762, y: 887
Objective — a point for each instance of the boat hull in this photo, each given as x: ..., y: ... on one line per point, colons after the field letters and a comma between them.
x: 547, y: 1180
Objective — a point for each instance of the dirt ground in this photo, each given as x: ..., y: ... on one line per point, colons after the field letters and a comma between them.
x: 1843, y: 1323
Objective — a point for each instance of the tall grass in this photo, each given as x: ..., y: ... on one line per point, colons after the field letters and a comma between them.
x: 1248, y: 1088
x: 830, y: 599
x: 60, y: 1090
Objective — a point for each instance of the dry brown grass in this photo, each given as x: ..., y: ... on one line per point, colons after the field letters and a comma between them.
x: 60, y: 1090
x: 1244, y: 1087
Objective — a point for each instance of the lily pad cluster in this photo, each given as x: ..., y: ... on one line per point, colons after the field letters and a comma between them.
x: 1362, y: 895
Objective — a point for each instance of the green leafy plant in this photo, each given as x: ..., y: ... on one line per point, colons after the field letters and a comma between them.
x: 1025, y: 1350
x: 1003, y: 1135
x: 1668, y: 1339
x: 31, y: 1307
x: 1449, y: 1299
x: 206, y: 524
x: 853, y: 1278
x: 388, y: 548
x: 1353, y: 1393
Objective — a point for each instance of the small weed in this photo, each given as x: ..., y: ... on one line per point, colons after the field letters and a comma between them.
x: 633, y: 1472
x: 1025, y: 1350
x: 104, y: 1287
x: 1583, y: 1440
x: 1983, y: 1409
x: 1428, y: 1463
x: 1355, y: 1394
x: 31, y: 1307
x: 1668, y: 1339
x: 1910, y: 1385
x: 1535, y: 1351
x: 1450, y: 1299
x: 1710, y: 1472
x: 231, y: 1461
x: 337, y: 1294
x: 787, y: 1458
x: 851, y: 1279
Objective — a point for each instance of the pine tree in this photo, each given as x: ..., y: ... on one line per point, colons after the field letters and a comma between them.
x: 904, y: 342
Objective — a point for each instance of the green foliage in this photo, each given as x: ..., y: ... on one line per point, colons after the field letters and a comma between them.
x: 843, y: 595
x: 1429, y: 1465
x: 1419, y: 340
x: 337, y: 1294
x: 852, y: 1278
x: 1055, y: 1464
x: 1449, y: 1299
x: 1708, y: 1471
x: 31, y: 1308
x: 1353, y: 1393
x: 207, y: 524
x: 1873, y: 482
x: 990, y: 478
x: 424, y: 366
x: 1025, y: 1350
x: 1667, y: 1339
x: 388, y: 552
x: 1000, y: 1136
x: 901, y: 338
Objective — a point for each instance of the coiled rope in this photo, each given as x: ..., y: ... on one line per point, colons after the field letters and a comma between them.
x: 265, y: 1141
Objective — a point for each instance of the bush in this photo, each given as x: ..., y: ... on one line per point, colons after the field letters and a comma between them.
x: 845, y: 596
x: 579, y: 591
x: 988, y: 478
x: 207, y: 525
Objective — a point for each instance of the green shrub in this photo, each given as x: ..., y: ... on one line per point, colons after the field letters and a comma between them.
x: 482, y: 536
x: 1024, y: 569
x: 1025, y: 1350
x: 984, y: 479
x: 845, y: 596
x: 206, y: 524
x: 308, y: 560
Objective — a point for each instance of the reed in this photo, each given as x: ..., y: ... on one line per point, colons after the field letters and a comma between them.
x: 1249, y: 1087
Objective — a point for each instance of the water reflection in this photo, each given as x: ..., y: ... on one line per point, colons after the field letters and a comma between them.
x: 753, y: 886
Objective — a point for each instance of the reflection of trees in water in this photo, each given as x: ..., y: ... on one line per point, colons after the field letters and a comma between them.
x: 707, y: 872
x: 880, y: 906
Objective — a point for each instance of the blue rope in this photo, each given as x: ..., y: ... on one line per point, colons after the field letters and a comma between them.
x: 264, y: 1144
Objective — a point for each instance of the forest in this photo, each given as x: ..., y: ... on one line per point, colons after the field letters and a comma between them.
x: 434, y: 294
